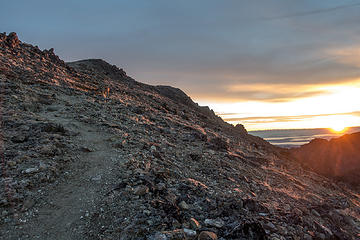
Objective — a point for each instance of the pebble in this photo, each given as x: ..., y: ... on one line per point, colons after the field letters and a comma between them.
x: 287, y: 207
x: 270, y: 226
x: 298, y: 212
x: 206, y: 235
x: 321, y: 236
x: 161, y: 186
x: 158, y: 236
x: 218, y: 223
x: 307, y: 237
x: 11, y: 163
x: 31, y: 170
x: 28, y: 203
x: 314, y: 212
x: 194, y: 224
x: 189, y: 232
x: 183, y: 205
x: 96, y: 178
x: 147, y: 212
x: 141, y: 190
x: 85, y: 149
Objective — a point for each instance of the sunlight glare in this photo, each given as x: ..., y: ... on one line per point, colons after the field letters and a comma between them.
x: 338, y: 129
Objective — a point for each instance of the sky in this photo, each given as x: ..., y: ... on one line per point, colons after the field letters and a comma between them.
x: 268, y: 64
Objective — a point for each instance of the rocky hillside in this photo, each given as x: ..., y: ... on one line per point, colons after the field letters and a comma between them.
x: 338, y: 158
x: 89, y: 153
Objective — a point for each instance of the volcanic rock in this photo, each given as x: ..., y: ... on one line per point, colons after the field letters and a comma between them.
x: 120, y: 159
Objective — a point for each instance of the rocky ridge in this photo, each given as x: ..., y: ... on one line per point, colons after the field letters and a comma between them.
x: 338, y: 158
x: 90, y: 153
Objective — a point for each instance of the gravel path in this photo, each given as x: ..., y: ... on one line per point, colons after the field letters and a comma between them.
x: 65, y: 207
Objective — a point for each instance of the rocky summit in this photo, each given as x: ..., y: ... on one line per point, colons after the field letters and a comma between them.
x: 87, y: 152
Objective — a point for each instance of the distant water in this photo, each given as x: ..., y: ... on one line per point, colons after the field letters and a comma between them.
x: 297, y: 137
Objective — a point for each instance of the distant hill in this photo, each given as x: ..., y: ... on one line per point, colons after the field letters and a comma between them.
x: 295, y: 137
x: 338, y: 157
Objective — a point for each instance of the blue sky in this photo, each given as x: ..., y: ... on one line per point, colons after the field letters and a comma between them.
x: 213, y: 50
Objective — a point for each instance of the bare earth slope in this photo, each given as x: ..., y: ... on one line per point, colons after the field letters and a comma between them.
x: 89, y: 153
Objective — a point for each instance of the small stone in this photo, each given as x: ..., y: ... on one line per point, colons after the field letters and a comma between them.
x: 29, y: 203
x: 43, y: 166
x: 147, y: 212
x: 153, y: 148
x: 282, y: 230
x: 85, y: 149
x: 194, y: 224
x: 350, y: 221
x: 298, y: 212
x: 141, y: 190
x: 307, y: 237
x: 96, y: 178
x: 314, y: 212
x: 19, y: 139
x: 31, y: 170
x: 270, y: 226
x: 321, y: 236
x: 176, y: 224
x: 52, y: 109
x: 11, y: 163
x: 287, y: 207
x: 183, y: 205
x: 158, y: 236
x: 218, y: 223
x: 189, y: 232
x: 4, y: 213
x: 206, y: 235
x: 161, y: 186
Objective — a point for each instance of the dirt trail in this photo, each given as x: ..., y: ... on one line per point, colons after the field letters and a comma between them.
x: 69, y: 203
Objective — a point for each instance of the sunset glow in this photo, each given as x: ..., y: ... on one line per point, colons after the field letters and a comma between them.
x: 336, y: 107
x: 338, y: 129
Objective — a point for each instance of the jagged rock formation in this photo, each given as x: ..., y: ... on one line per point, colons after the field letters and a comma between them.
x: 338, y: 158
x: 89, y: 153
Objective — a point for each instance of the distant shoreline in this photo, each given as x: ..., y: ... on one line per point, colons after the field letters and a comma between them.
x: 297, y: 137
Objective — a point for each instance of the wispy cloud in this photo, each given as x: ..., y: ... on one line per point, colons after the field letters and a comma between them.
x: 269, y: 119
x: 313, y: 12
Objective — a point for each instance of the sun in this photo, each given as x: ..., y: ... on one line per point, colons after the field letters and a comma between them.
x: 338, y: 128
x: 338, y: 123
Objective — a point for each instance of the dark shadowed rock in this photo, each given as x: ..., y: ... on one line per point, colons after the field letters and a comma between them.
x: 337, y: 158
x: 175, y: 94
x: 99, y: 66
x: 12, y: 40
x: 206, y: 235
x: 240, y: 128
x: 219, y: 144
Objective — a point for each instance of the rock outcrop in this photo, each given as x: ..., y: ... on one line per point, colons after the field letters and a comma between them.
x: 89, y: 153
x: 337, y: 158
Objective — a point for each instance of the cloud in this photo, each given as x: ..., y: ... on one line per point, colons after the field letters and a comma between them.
x: 277, y: 119
x: 347, y: 56
x: 314, y: 12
